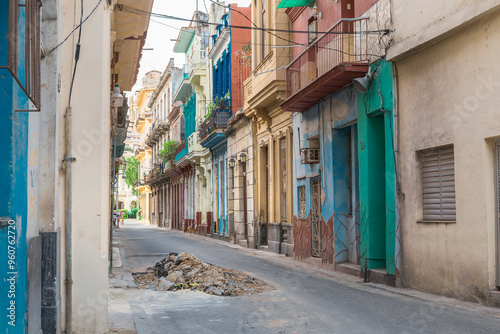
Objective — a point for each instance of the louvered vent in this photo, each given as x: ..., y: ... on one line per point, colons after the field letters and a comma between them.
x: 438, y: 184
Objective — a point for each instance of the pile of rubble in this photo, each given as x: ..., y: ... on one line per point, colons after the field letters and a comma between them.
x: 185, y: 271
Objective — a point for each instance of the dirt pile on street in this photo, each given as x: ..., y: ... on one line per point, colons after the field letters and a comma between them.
x: 186, y: 272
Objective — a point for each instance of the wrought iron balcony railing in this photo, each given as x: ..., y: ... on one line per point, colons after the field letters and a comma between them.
x: 344, y: 43
x: 217, y: 120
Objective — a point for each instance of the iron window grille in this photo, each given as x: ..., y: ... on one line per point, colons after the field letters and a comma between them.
x: 24, y: 41
x: 309, y: 155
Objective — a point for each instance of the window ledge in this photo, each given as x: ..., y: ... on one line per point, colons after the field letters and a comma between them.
x: 436, y: 221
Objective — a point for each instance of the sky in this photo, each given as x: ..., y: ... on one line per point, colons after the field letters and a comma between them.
x: 159, y: 36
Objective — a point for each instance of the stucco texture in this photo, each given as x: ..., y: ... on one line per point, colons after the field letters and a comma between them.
x: 449, y: 94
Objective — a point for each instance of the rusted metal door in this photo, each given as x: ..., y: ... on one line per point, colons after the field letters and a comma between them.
x: 316, y: 216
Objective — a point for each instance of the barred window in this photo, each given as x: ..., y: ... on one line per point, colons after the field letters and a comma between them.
x: 302, y: 202
x: 438, y: 184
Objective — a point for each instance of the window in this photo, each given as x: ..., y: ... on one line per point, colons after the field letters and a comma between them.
x: 438, y: 184
x: 23, y: 59
x: 313, y: 29
x: 302, y: 202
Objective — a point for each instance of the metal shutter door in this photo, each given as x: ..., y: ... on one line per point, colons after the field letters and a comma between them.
x: 438, y: 184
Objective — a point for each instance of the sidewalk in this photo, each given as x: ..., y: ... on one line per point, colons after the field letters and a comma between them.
x: 120, y: 312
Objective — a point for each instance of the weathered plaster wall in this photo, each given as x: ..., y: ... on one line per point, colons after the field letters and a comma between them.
x: 238, y: 141
x: 91, y: 204
x: 327, y: 121
x: 449, y: 94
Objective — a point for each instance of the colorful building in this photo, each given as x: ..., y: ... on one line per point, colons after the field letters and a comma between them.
x: 271, y: 128
x: 338, y: 218
x: 141, y: 117
x: 160, y: 134
x: 191, y: 90
x: 227, y: 71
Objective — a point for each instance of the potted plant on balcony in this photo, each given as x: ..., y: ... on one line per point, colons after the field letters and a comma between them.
x: 168, y: 152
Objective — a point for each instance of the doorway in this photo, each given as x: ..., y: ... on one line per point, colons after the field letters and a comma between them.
x: 264, y: 219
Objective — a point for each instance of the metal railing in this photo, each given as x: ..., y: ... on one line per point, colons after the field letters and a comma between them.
x: 216, y: 120
x: 344, y: 42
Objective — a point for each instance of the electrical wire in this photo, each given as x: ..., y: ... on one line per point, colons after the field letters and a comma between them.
x: 348, y: 35
x: 77, y: 27
x: 133, y: 10
x: 77, y: 54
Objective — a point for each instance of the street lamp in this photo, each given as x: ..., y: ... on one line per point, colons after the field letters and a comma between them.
x: 243, y: 156
x: 232, y: 162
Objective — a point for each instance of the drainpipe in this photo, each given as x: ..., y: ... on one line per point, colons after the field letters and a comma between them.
x: 400, y: 194
x: 68, y: 160
x: 113, y: 182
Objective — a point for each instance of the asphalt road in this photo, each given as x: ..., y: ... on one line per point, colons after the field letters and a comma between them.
x: 303, y: 301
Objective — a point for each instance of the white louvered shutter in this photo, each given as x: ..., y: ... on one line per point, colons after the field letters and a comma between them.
x: 438, y: 184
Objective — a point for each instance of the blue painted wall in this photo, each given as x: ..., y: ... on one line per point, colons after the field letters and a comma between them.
x: 189, y: 111
x: 330, y: 120
x: 219, y: 186
x: 14, y: 137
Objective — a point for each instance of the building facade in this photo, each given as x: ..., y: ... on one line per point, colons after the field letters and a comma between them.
x: 57, y: 185
x: 142, y: 119
x: 162, y: 139
x: 448, y: 130
x: 227, y: 71
x: 272, y: 129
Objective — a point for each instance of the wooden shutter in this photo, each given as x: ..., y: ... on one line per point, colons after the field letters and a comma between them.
x: 438, y: 184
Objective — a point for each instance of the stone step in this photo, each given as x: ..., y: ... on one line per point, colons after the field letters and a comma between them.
x: 243, y: 243
x: 266, y: 248
x: 494, y: 298
x: 350, y: 269
x: 381, y: 276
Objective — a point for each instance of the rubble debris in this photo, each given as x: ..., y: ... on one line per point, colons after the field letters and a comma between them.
x: 186, y: 272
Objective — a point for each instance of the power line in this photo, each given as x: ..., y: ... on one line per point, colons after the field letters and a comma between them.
x: 77, y: 54
x: 77, y: 27
x: 136, y: 11
x: 133, y: 10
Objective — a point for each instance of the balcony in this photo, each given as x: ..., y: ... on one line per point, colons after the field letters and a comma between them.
x: 157, y: 173
x: 334, y: 59
x: 211, y: 130
x: 158, y: 129
x: 182, y: 85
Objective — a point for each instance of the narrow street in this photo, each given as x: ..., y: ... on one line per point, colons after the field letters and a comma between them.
x: 305, y: 299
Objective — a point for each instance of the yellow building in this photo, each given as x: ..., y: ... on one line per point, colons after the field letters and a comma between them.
x: 272, y: 146
x: 140, y: 114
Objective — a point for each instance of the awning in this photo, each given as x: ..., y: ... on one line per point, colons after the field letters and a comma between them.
x: 294, y: 3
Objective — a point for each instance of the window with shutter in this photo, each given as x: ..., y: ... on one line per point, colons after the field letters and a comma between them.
x: 438, y: 184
